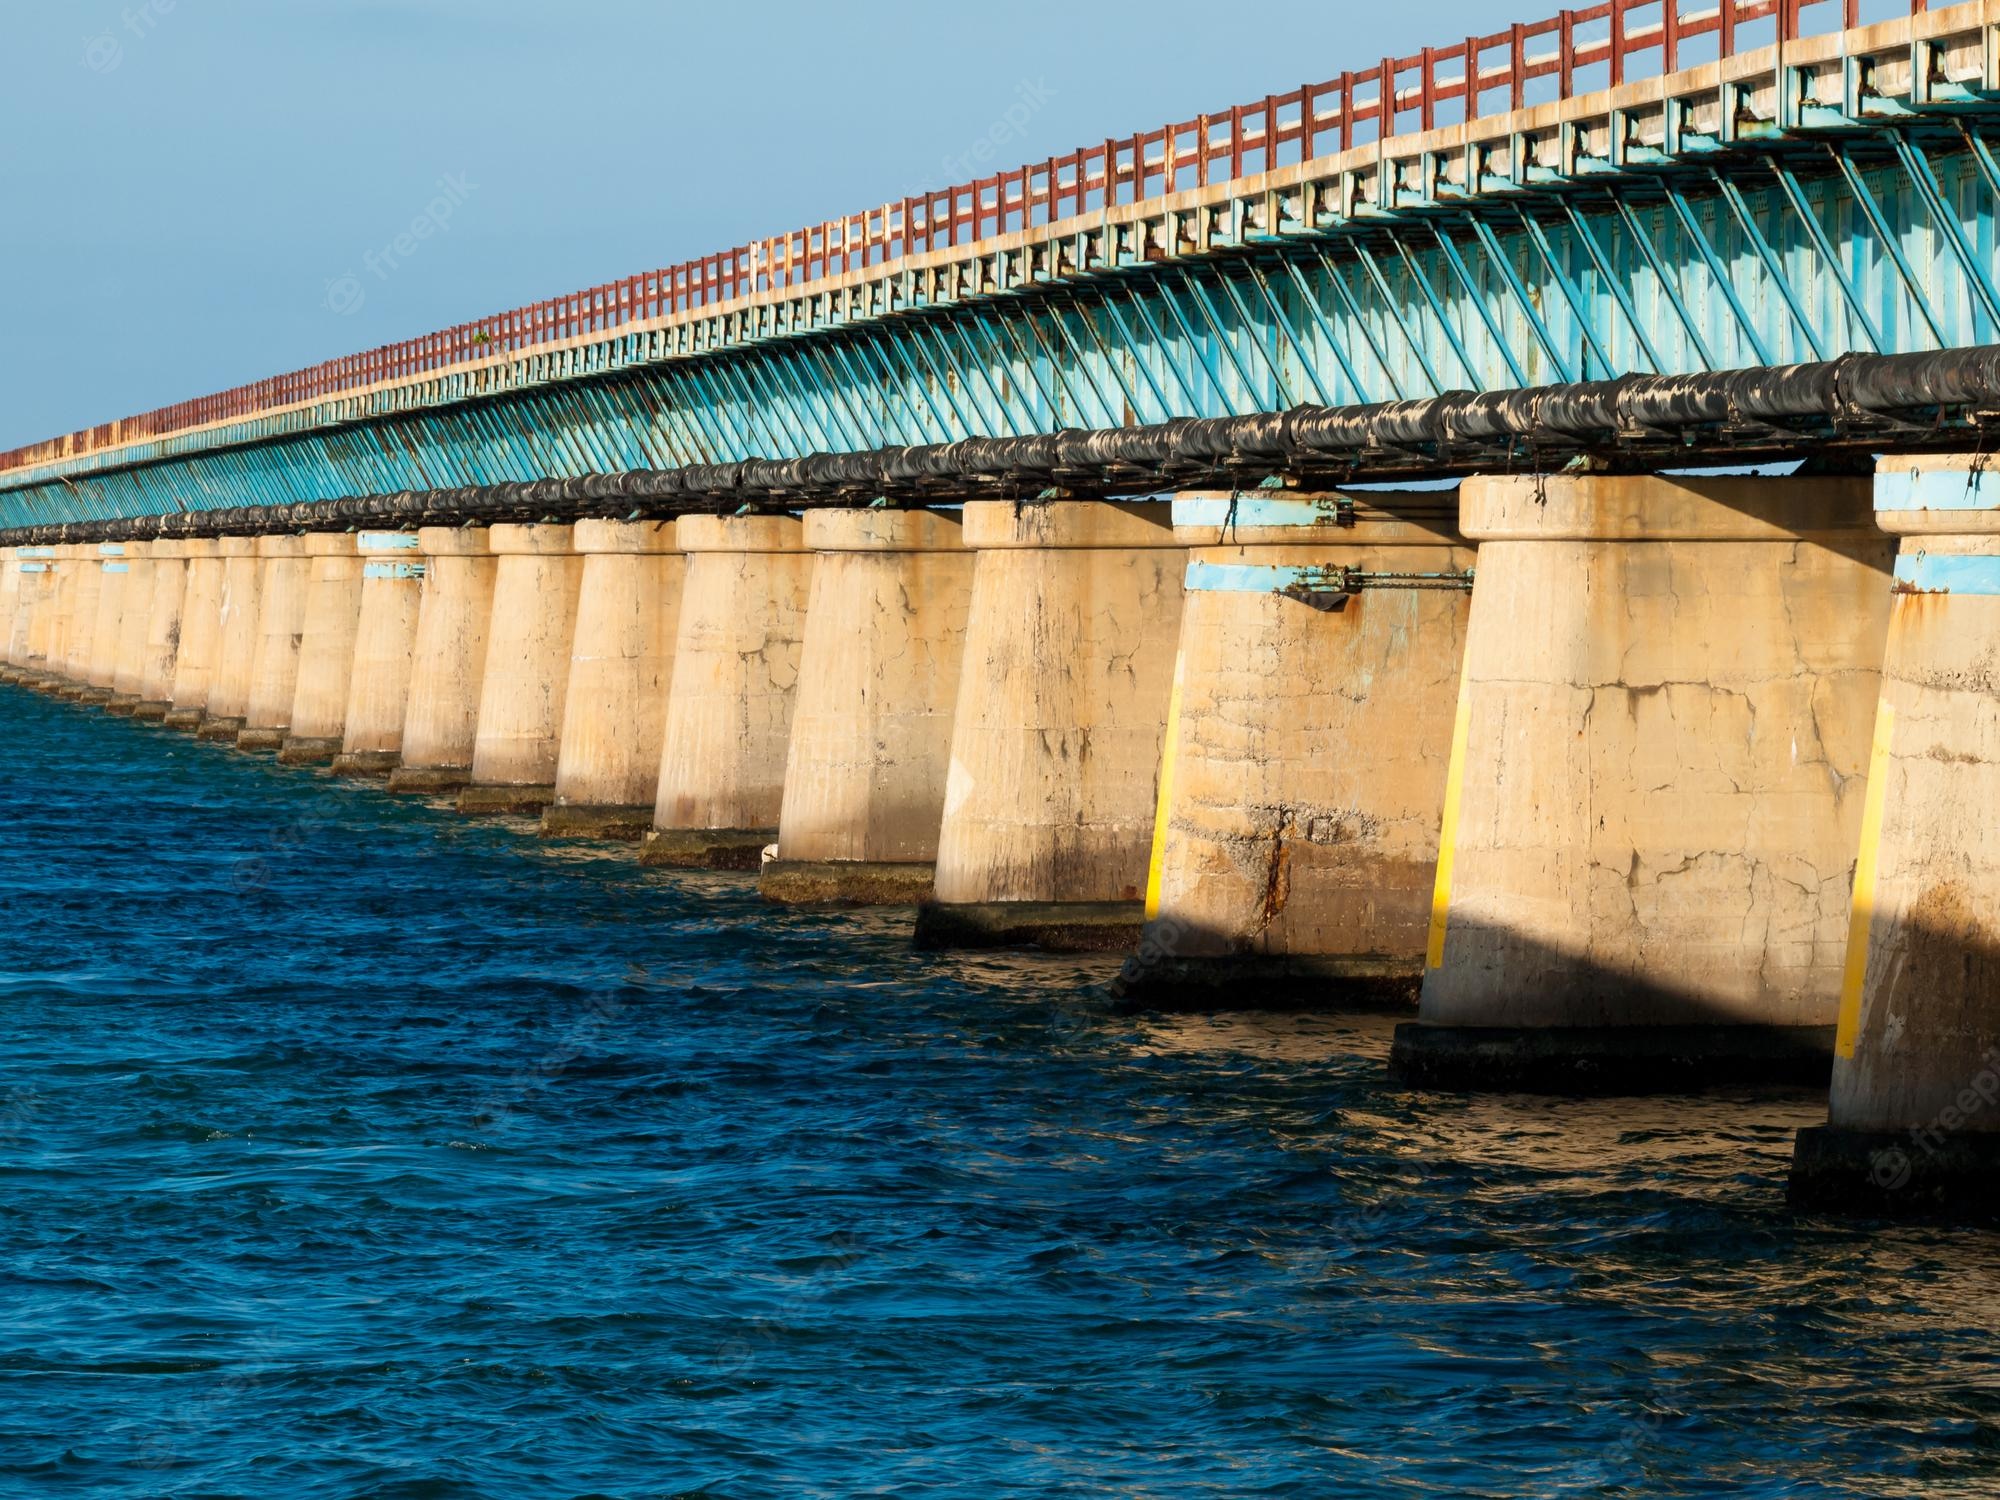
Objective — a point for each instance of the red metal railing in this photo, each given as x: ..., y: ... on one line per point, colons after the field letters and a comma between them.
x: 1629, y: 39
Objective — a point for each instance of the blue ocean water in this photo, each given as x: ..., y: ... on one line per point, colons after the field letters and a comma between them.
x: 348, y: 1148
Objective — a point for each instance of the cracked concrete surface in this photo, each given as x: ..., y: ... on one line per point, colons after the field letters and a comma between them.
x: 1672, y: 688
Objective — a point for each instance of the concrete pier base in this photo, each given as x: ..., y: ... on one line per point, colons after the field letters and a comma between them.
x: 706, y: 848
x: 1585, y: 1060
x: 1059, y: 926
x: 318, y: 722
x: 220, y: 731
x: 621, y: 662
x: 447, y: 661
x: 285, y: 567
x: 31, y: 568
x: 526, y: 682
x: 626, y: 825
x: 385, y: 642
x: 200, y: 637
x: 1303, y: 778
x: 366, y: 764
x: 522, y: 799
x: 1062, y: 707
x: 1657, y: 781
x: 236, y: 639
x: 870, y: 745
x: 846, y: 882
x: 729, y: 716
x: 1913, y: 1118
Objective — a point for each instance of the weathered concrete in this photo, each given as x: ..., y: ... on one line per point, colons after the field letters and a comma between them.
x: 27, y: 647
x: 385, y: 642
x: 448, y: 662
x: 135, y: 619
x: 69, y: 570
x: 318, y: 719
x: 10, y: 601
x: 1302, y: 783
x: 201, y: 634
x: 871, y: 730
x: 621, y: 663
x: 1914, y: 1115
x: 236, y: 647
x: 163, y: 631
x: 1062, y: 706
x: 82, y: 628
x: 286, y: 575
x: 736, y: 668
x: 114, y: 571
x: 526, y: 681
x: 1657, y: 783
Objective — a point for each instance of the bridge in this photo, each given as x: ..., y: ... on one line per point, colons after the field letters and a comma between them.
x: 844, y: 557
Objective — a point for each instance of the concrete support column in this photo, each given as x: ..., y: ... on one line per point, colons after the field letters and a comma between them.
x: 1914, y: 1117
x: 621, y: 663
x: 522, y: 692
x: 448, y: 662
x: 236, y: 639
x: 1062, y: 706
x: 285, y: 569
x: 69, y: 567
x: 736, y: 667
x: 1302, y: 783
x: 378, y: 696
x: 81, y: 629
x: 326, y: 651
x: 1657, y: 783
x: 135, y: 619
x: 10, y: 605
x: 162, y: 651
x: 201, y: 634
x: 871, y: 730
x: 27, y: 650
x: 114, y: 572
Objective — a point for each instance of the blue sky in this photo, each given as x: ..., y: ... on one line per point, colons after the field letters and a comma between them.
x: 189, y: 183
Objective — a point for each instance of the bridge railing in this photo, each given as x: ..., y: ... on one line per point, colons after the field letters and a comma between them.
x: 1626, y: 39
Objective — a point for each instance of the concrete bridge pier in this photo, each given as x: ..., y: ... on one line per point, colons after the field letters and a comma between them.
x: 236, y: 639
x: 67, y: 567
x: 871, y: 728
x: 163, y: 631
x: 201, y: 634
x: 27, y: 649
x: 1303, y: 778
x: 107, y: 623
x: 135, y: 619
x: 10, y: 604
x: 285, y: 578
x: 385, y: 640
x: 1062, y: 707
x: 736, y: 668
x: 318, y: 720
x: 522, y: 692
x: 1657, y: 782
x: 82, y: 625
x: 1914, y: 1115
x: 448, y: 661
x: 621, y: 664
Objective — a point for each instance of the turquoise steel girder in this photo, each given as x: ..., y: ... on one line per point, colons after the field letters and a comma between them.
x: 1840, y: 233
